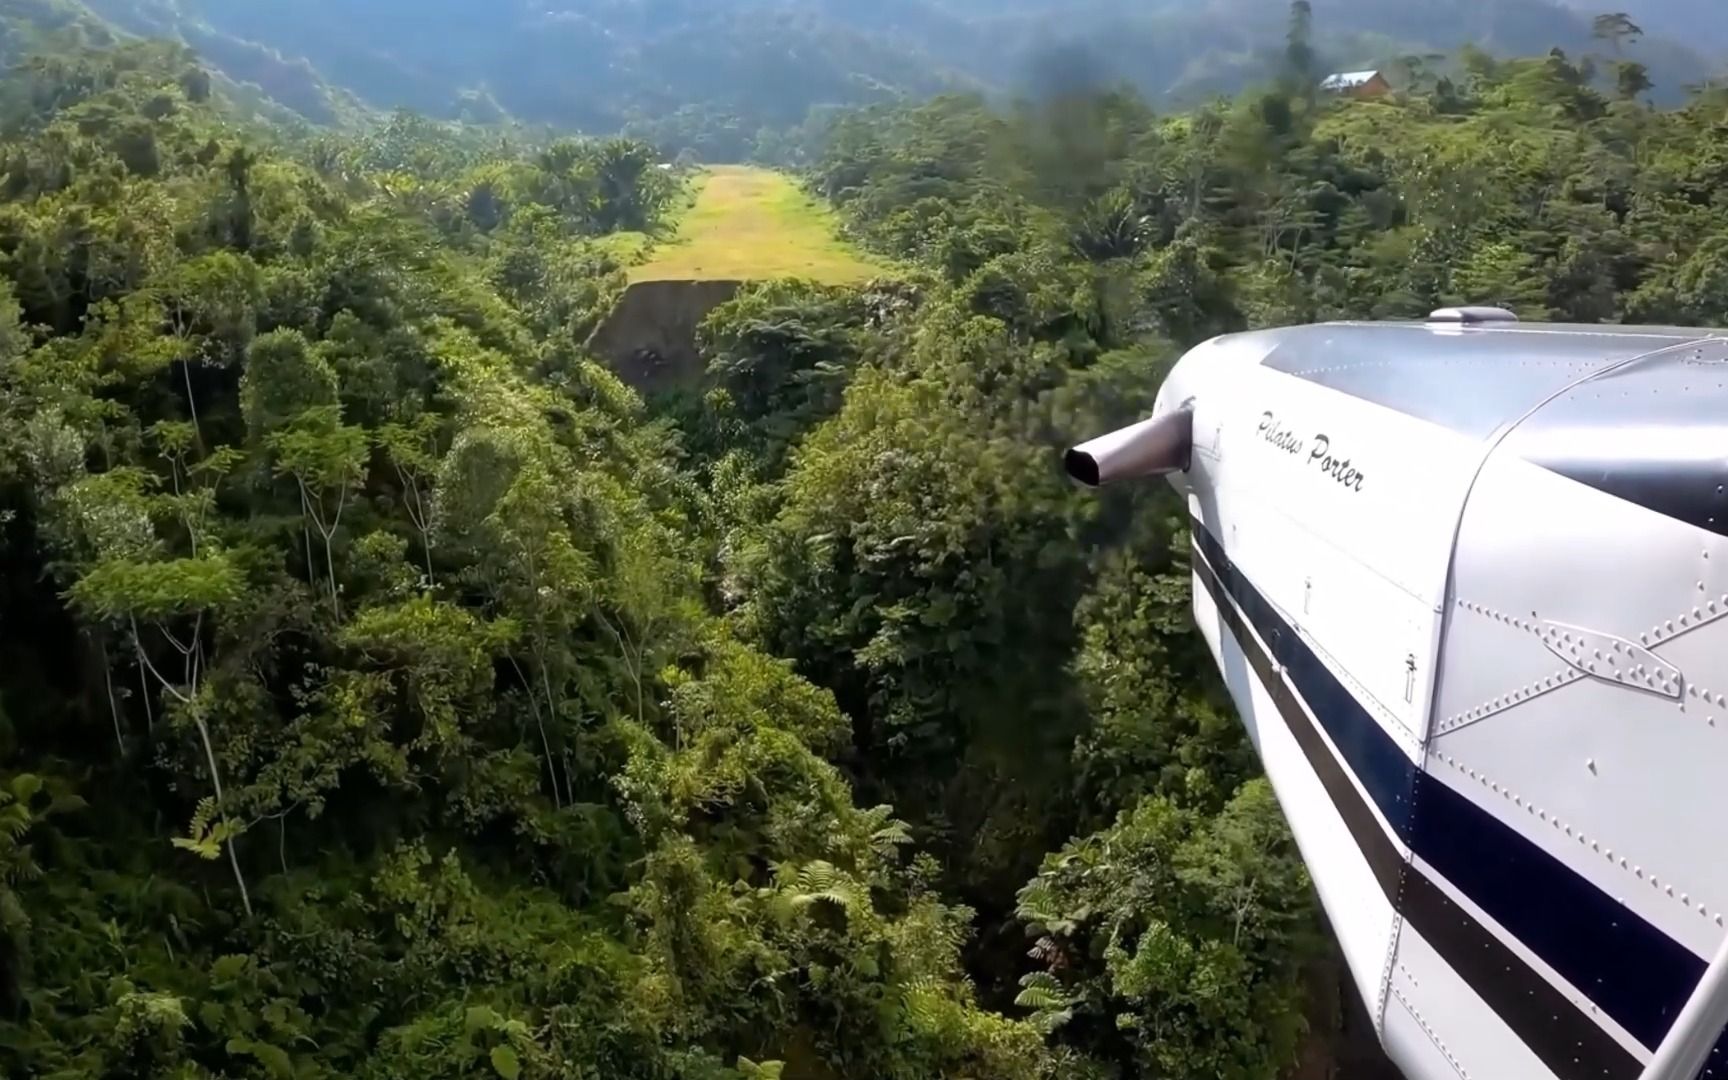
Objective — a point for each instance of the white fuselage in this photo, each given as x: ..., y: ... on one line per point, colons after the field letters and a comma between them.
x: 1489, y: 694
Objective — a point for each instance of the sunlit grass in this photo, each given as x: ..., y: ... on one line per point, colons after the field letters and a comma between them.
x: 627, y: 248
x: 750, y: 224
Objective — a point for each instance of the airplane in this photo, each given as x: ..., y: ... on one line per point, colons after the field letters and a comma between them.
x: 1467, y: 582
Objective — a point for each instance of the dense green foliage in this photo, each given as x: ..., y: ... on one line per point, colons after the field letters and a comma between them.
x: 374, y: 721
x: 387, y: 691
x: 1014, y: 660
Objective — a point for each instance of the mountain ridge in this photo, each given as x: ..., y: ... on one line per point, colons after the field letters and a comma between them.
x: 712, y: 76
x: 1701, y: 22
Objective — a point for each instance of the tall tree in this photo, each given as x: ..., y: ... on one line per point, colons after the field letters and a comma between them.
x: 1299, y: 57
x: 1631, y: 79
x: 1616, y: 28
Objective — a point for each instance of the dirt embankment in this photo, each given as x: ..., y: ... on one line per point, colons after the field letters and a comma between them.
x: 649, y: 340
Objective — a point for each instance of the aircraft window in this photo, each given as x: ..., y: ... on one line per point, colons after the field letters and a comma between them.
x: 1400, y: 367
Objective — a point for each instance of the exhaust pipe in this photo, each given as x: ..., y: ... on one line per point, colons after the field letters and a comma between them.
x: 1150, y: 448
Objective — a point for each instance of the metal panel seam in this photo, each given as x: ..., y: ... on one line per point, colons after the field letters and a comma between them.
x: 1446, y: 608
x: 1492, y: 447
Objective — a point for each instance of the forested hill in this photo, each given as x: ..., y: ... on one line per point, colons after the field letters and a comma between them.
x: 1696, y: 21
x: 387, y: 691
x: 709, y: 75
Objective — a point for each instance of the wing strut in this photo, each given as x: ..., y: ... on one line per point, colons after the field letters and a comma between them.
x: 1700, y: 1024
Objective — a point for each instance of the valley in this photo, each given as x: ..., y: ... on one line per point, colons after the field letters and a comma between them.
x: 485, y: 598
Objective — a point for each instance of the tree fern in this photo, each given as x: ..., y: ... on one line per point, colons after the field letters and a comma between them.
x: 887, y: 833
x: 1051, y: 1004
x: 205, y: 836
x: 1039, y: 905
x: 921, y: 1000
x: 823, y: 882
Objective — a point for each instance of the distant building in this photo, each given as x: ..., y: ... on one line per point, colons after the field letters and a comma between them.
x: 1360, y: 84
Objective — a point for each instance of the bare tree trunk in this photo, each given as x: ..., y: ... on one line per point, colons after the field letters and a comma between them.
x: 415, y: 504
x: 204, y: 737
x: 192, y: 404
x: 632, y: 658
x: 329, y: 559
x: 330, y: 568
x: 113, y: 709
x: 311, y: 565
x: 216, y: 782
x: 545, y: 743
x: 312, y: 511
x: 144, y: 692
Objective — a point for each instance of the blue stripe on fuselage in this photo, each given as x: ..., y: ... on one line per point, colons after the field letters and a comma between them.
x: 1632, y: 971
